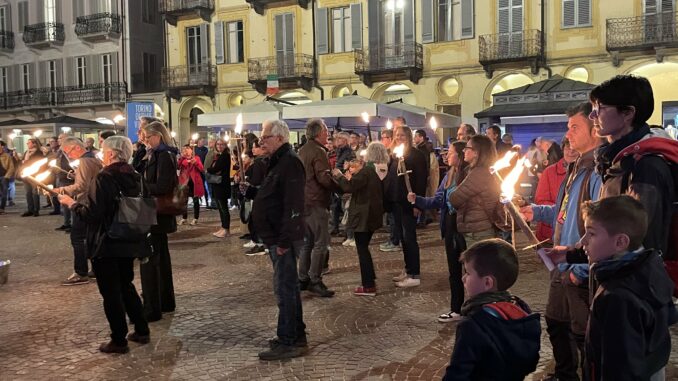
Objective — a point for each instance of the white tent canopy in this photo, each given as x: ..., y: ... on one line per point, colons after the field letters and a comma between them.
x: 252, y: 115
x: 420, y: 117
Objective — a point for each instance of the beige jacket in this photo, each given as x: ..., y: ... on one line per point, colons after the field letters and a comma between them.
x: 86, y: 172
x: 475, y: 200
x: 7, y: 162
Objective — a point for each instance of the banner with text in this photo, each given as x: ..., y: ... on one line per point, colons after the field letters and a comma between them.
x: 136, y: 110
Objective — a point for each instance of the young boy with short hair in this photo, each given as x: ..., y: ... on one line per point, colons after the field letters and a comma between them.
x: 499, y: 337
x: 628, y: 332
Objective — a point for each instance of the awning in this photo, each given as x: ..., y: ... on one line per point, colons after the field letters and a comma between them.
x: 418, y: 117
x: 526, y: 109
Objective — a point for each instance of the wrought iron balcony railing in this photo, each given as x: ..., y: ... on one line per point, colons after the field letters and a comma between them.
x: 98, y: 24
x: 389, y: 57
x: 189, y: 76
x: 287, y: 65
x: 506, y: 47
x: 641, y: 32
x: 6, y: 40
x: 146, y: 82
x: 44, y: 33
x: 183, y: 6
x: 64, y: 96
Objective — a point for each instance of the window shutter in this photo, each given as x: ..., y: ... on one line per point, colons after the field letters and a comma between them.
x: 373, y: 24
x: 408, y: 21
x: 666, y: 6
x: 57, y: 10
x: 113, y: 6
x: 71, y: 72
x: 322, y: 43
x: 219, y: 41
x: 289, y: 33
x: 427, y: 21
x: 39, y: 12
x: 115, y: 78
x: 13, y: 78
x: 279, y: 33
x: 517, y: 16
x: 76, y: 10
x: 650, y: 7
x: 31, y: 76
x: 568, y: 13
x: 503, y: 16
x: 59, y: 67
x: 357, y: 26
x: 467, y: 18
x: 204, y: 43
x: 23, y: 15
x: 8, y: 17
x: 584, y: 13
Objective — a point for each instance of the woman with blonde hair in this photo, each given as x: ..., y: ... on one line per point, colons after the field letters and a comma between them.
x: 477, y: 195
x: 161, y: 178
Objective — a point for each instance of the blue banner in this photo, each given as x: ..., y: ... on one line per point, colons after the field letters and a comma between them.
x: 136, y: 110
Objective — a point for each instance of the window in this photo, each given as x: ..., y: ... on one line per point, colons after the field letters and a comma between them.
x: 3, y: 80
x: 341, y: 30
x: 150, y: 67
x: 23, y: 15
x: 106, y: 66
x: 3, y: 18
x: 81, y: 71
x: 25, y: 77
x: 194, y: 48
x: 576, y: 13
x: 50, y: 11
x: 51, y: 74
x: 445, y: 32
x: 148, y: 11
x: 235, y: 52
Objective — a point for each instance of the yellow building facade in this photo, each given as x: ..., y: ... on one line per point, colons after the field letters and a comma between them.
x: 425, y: 52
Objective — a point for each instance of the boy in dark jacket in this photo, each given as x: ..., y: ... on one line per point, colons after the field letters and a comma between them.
x: 628, y: 331
x: 499, y: 337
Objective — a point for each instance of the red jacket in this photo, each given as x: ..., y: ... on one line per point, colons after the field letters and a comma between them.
x: 547, y: 192
x: 192, y: 171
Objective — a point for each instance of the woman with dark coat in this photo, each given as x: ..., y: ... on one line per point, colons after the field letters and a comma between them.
x: 32, y: 154
x: 161, y: 178
x: 113, y: 260
x: 221, y: 166
x: 366, y: 209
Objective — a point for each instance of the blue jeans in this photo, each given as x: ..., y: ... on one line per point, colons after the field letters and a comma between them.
x: 291, y: 325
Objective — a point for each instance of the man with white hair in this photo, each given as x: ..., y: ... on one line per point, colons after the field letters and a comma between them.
x: 278, y: 217
x: 87, y: 169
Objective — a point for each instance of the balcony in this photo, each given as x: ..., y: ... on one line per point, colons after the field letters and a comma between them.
x: 511, y: 50
x: 6, y: 41
x: 293, y: 71
x: 175, y: 9
x: 390, y: 63
x: 45, y: 35
x: 200, y: 79
x: 640, y: 34
x: 260, y: 5
x: 146, y: 83
x: 98, y: 27
x: 100, y: 93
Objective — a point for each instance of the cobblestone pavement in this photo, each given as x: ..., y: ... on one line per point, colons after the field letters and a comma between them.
x: 226, y: 311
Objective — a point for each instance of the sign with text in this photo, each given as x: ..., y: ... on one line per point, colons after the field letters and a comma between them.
x: 136, y: 110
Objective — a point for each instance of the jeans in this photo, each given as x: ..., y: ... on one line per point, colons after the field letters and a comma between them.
x: 224, y: 214
x: 4, y: 192
x: 78, y: 237
x: 314, y: 251
x: 394, y: 234
x: 362, y: 244
x: 196, y: 209
x: 291, y: 325
x: 12, y: 190
x: 114, y: 279
x: 407, y: 224
x: 454, y: 246
x: 32, y: 198
x: 156, y: 279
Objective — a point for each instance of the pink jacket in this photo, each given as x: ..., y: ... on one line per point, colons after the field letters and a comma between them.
x: 192, y: 171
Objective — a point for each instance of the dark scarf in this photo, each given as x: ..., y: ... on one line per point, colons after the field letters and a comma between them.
x: 608, y: 151
x: 477, y: 302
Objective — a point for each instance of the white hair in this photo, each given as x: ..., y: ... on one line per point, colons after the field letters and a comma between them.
x: 377, y: 153
x: 279, y: 128
x: 121, y: 145
x: 72, y: 140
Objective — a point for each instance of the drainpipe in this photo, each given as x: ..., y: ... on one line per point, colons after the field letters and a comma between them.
x: 167, y: 95
x: 543, y: 39
x: 315, y: 56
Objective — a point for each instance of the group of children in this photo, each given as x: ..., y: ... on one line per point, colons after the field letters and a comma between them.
x: 631, y: 311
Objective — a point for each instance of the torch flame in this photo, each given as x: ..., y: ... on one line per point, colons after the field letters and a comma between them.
x: 195, y: 136
x: 33, y: 168
x: 365, y: 116
x: 389, y: 125
x: 238, y: 124
x: 433, y: 123
x: 508, y: 186
x: 399, y: 151
x: 75, y: 163
x: 43, y: 176
x: 363, y: 153
x: 53, y: 163
x: 504, y: 162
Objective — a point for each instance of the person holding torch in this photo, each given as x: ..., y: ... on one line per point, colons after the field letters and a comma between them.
x: 33, y: 154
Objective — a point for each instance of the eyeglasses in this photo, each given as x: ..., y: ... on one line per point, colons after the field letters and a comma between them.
x: 596, y: 110
x: 265, y: 137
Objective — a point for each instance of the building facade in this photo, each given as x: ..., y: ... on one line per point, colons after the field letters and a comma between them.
x: 78, y: 58
x: 440, y: 54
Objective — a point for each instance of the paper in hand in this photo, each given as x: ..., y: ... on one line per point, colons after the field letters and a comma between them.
x: 543, y: 254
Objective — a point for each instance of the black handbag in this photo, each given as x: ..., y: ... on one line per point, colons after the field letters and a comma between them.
x: 213, y: 179
x: 133, y: 218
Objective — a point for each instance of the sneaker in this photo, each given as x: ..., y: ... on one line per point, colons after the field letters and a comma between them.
x: 300, y: 343
x: 449, y: 317
x: 256, y: 250
x: 365, y: 291
x: 137, y: 338
x: 400, y: 277
x: 389, y: 246
x: 249, y: 245
x: 349, y: 242
x: 408, y: 282
x: 320, y: 289
x: 111, y: 347
x: 280, y: 352
x: 182, y: 221
x: 75, y: 280
x: 63, y: 228
x: 194, y: 222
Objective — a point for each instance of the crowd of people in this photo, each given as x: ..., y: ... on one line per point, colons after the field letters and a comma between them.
x: 604, y: 200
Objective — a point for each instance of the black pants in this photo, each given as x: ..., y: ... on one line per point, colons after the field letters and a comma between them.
x: 156, y: 279
x: 362, y: 244
x: 32, y: 198
x: 78, y: 237
x: 224, y: 213
x: 454, y: 246
x: 114, y: 279
x: 564, y: 349
x: 337, y: 211
x: 196, y: 209
x: 403, y: 213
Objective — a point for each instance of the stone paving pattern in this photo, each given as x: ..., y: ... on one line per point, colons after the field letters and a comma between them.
x: 226, y: 312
